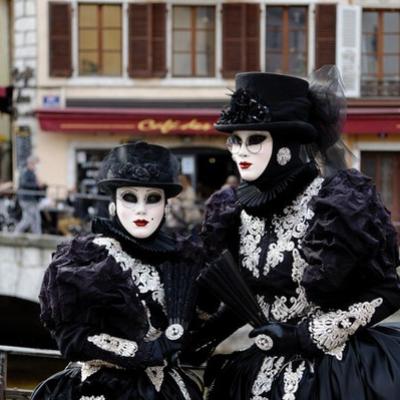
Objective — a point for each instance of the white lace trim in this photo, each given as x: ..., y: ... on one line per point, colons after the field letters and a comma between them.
x: 291, y: 224
x: 156, y: 376
x: 118, y: 346
x: 89, y: 368
x: 262, y: 385
x: 251, y: 231
x: 181, y: 384
x: 330, y: 331
x: 92, y: 398
x: 145, y: 276
x: 291, y: 380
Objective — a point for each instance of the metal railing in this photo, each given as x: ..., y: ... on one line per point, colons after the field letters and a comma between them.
x: 380, y: 88
x: 7, y: 393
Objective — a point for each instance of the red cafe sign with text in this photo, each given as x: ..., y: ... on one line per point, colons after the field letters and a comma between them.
x: 154, y: 121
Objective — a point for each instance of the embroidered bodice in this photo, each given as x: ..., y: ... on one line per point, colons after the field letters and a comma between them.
x: 270, y: 255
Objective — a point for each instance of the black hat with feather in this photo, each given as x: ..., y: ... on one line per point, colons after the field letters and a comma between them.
x: 276, y: 103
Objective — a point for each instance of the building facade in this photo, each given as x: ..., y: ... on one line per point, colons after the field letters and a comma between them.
x: 5, y: 89
x: 106, y: 72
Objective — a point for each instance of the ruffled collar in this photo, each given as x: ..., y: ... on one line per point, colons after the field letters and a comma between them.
x: 264, y: 203
x: 160, y: 243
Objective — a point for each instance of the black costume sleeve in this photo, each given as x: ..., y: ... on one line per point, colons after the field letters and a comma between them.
x: 221, y: 223
x: 352, y: 254
x: 91, y: 307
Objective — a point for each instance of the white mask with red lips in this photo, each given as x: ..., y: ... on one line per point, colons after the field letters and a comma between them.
x: 140, y: 210
x: 251, y: 151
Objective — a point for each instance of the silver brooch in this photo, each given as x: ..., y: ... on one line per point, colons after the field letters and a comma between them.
x: 284, y: 156
x: 264, y: 342
x: 174, y: 332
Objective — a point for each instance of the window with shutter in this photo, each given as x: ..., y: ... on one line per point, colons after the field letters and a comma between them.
x: 380, y: 53
x: 286, y: 40
x: 193, y: 41
x: 60, y: 53
x: 147, y: 54
x: 240, y: 38
x: 384, y: 168
x: 325, y: 35
x: 100, y: 39
x: 348, y: 47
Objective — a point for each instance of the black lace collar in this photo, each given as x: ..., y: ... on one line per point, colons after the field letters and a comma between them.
x: 263, y: 203
x: 160, y: 243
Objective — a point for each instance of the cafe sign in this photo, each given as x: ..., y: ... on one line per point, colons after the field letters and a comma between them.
x: 144, y: 121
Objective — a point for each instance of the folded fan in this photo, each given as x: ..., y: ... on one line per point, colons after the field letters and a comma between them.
x: 180, y: 295
x: 224, y: 280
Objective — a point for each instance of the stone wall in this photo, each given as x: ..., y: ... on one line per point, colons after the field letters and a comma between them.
x: 23, y: 260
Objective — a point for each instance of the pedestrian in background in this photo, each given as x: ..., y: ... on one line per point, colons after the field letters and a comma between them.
x: 232, y: 181
x: 28, y: 199
x: 183, y: 212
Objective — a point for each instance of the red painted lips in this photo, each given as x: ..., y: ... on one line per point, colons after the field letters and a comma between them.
x: 245, y: 165
x: 141, y: 222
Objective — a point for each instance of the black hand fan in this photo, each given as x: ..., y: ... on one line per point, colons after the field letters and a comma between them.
x: 180, y: 295
x: 224, y: 280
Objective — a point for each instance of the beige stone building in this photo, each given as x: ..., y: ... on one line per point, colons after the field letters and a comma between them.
x: 106, y: 72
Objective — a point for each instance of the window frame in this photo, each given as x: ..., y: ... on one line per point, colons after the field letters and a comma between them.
x: 394, y: 207
x: 99, y: 30
x: 309, y: 28
x: 379, y: 84
x: 193, y: 53
x: 380, y: 53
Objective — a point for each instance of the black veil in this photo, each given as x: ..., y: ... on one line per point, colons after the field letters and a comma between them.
x: 328, y: 115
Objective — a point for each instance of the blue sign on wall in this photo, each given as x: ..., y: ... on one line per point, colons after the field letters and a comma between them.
x: 51, y: 101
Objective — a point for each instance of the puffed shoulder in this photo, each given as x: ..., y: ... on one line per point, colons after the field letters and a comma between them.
x: 221, y: 220
x: 84, y: 284
x: 351, y: 241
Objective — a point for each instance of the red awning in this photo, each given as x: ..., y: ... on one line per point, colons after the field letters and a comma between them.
x: 136, y: 121
x: 372, y: 120
x: 178, y: 121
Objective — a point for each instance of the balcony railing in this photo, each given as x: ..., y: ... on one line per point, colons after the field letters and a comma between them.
x: 380, y: 88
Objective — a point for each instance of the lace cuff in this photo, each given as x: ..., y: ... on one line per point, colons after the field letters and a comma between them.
x: 330, y: 331
x: 118, y: 346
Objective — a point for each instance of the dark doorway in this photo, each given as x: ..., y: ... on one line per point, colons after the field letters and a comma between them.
x: 207, y: 168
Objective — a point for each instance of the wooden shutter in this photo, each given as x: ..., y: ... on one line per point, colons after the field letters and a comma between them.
x: 325, y: 35
x: 60, y: 53
x: 252, y: 37
x: 348, y: 47
x: 241, y: 38
x: 147, y: 24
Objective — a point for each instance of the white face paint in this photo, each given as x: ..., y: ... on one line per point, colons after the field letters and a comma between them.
x: 251, y: 151
x: 140, y: 209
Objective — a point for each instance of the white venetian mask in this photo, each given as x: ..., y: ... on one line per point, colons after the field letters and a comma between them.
x: 140, y: 209
x: 251, y: 151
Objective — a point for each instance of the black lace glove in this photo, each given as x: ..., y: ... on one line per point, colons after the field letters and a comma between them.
x: 285, y: 339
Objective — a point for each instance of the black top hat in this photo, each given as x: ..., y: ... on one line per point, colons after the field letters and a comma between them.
x: 140, y: 164
x: 273, y: 102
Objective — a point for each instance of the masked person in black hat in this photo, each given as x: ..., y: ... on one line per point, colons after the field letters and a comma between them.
x: 104, y: 299
x: 315, y: 248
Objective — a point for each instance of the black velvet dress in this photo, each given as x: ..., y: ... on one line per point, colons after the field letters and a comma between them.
x: 326, y: 262
x: 103, y: 300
